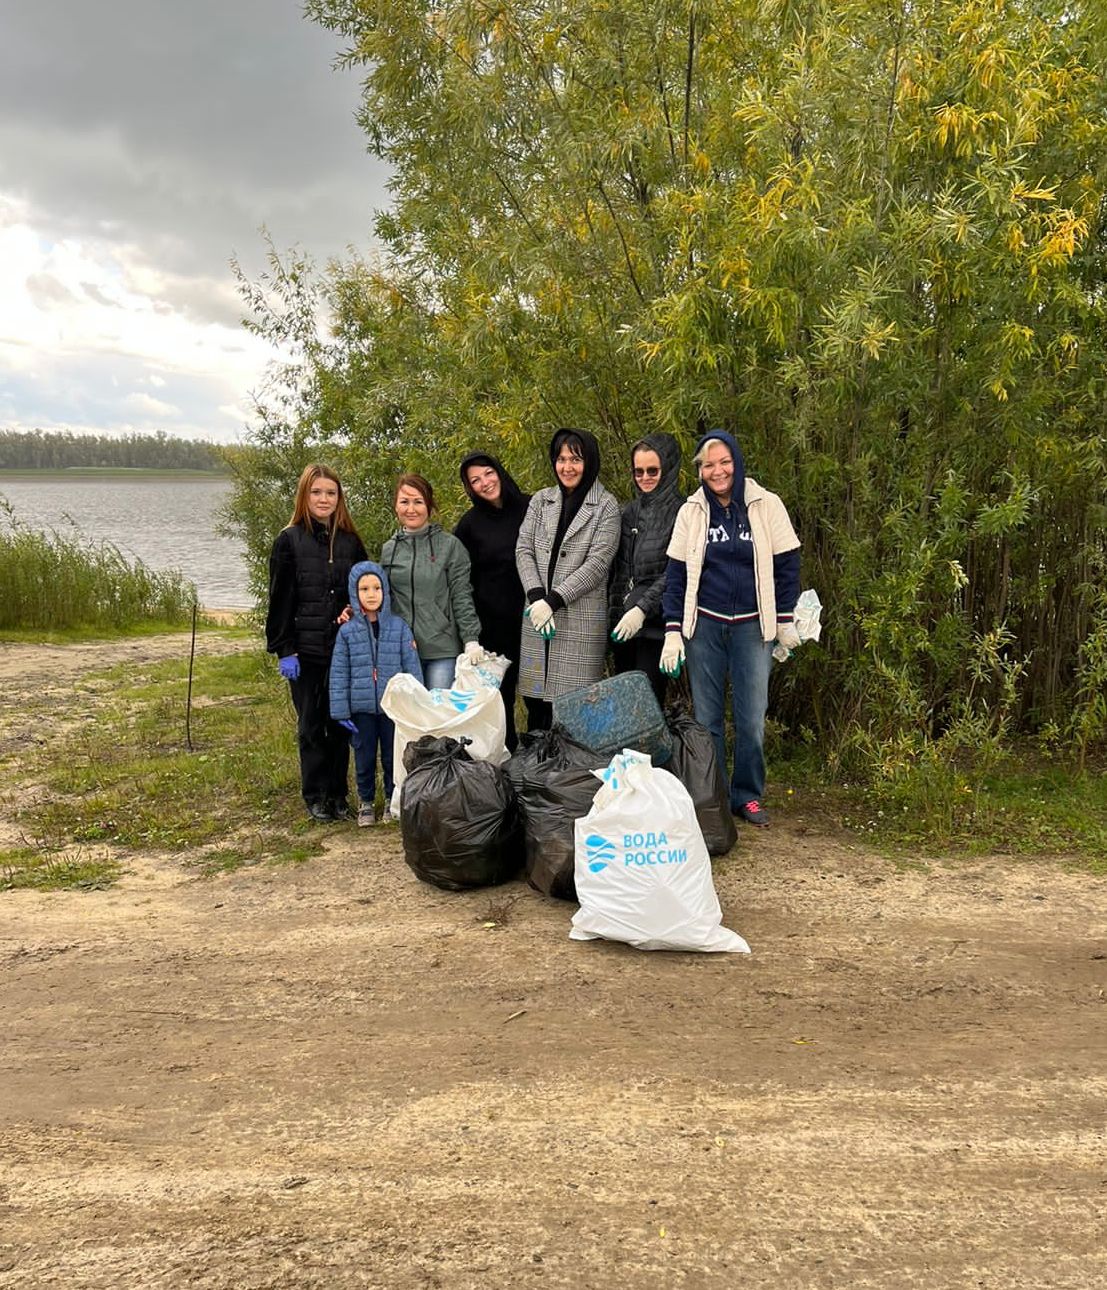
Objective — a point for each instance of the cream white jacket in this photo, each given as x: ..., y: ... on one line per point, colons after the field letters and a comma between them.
x: 772, y: 534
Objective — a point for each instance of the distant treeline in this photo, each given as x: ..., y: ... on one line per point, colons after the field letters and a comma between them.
x: 38, y: 450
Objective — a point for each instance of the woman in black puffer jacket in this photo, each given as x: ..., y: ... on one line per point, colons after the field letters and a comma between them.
x: 638, y: 574
x: 309, y: 570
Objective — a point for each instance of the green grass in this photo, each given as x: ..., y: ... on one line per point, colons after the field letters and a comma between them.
x: 129, y: 779
x: 1027, y: 805
x: 48, y: 870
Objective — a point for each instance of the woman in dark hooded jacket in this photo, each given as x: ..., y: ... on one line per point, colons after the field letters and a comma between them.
x: 566, y: 545
x: 638, y: 574
x: 489, y: 531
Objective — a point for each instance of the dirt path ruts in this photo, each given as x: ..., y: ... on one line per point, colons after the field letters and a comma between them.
x: 332, y: 1075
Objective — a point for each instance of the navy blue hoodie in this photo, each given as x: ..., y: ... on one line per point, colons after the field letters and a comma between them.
x: 728, y: 589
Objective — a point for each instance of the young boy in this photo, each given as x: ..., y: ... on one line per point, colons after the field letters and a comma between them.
x: 374, y: 646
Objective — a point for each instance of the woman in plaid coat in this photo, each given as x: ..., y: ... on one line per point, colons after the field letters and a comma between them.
x: 566, y: 544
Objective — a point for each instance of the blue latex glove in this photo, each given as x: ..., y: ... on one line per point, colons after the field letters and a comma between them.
x: 349, y: 725
x: 289, y: 667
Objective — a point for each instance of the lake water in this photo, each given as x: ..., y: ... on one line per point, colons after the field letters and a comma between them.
x: 169, y: 523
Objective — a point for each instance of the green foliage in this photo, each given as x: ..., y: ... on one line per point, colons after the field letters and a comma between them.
x: 867, y: 237
x: 53, y: 582
x: 1087, y: 722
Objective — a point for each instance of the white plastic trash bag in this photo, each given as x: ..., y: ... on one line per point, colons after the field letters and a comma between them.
x: 472, y: 708
x: 806, y: 620
x: 642, y: 870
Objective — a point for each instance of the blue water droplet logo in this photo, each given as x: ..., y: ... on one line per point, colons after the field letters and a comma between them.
x: 599, y: 851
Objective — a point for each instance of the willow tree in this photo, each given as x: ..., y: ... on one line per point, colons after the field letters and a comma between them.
x: 866, y: 237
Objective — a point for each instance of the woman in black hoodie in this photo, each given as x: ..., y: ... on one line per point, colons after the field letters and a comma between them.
x: 638, y: 574
x: 489, y: 531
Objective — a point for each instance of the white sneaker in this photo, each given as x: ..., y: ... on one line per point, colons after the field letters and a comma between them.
x: 366, y: 815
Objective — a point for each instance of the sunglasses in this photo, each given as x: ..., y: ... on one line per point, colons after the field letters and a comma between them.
x: 650, y: 472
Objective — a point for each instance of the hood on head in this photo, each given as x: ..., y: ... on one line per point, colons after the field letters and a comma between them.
x: 591, y: 456
x: 359, y: 571
x: 668, y: 450
x: 738, y: 488
x: 510, y: 492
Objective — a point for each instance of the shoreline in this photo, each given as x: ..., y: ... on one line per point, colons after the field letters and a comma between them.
x: 226, y: 616
x: 109, y: 472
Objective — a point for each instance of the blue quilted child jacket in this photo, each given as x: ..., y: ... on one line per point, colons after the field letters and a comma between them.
x: 365, y: 661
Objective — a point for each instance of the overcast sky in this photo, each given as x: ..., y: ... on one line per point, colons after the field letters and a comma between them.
x: 142, y: 144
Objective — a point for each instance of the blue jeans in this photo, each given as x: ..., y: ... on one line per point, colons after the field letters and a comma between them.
x: 735, y: 650
x: 438, y: 673
x: 373, y: 728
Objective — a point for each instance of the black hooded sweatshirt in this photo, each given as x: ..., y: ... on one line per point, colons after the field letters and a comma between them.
x: 638, y: 573
x: 489, y: 533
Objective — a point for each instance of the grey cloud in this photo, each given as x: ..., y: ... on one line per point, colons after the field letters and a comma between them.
x: 103, y: 393
x: 94, y: 293
x: 47, y: 292
x: 178, y: 129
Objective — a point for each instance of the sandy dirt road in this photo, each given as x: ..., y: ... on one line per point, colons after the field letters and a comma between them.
x: 332, y: 1075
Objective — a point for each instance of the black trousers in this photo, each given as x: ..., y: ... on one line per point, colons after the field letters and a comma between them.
x: 324, y: 745
x: 539, y: 714
x: 642, y: 654
x: 502, y: 637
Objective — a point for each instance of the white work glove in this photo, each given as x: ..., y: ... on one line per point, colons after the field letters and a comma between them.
x: 672, y: 654
x: 787, y: 635
x: 474, y: 652
x: 629, y: 625
x: 541, y: 618
x: 787, y: 639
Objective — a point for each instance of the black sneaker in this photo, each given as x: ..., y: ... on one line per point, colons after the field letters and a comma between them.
x: 340, y: 810
x: 320, y: 812
x: 754, y: 813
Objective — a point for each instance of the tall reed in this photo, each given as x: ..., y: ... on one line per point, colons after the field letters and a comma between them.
x: 51, y: 580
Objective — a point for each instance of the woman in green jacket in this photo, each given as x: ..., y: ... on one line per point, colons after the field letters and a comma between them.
x: 428, y: 571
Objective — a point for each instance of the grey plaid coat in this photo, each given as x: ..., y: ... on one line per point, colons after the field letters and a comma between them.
x: 575, y: 654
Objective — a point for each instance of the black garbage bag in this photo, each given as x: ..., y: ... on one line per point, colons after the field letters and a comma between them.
x: 459, y: 817
x: 552, y: 777
x: 694, y: 763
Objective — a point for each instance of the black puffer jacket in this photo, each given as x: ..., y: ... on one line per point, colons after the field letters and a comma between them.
x: 638, y: 574
x: 308, y: 589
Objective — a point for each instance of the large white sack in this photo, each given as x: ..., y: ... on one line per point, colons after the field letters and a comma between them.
x: 472, y: 708
x: 642, y: 871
